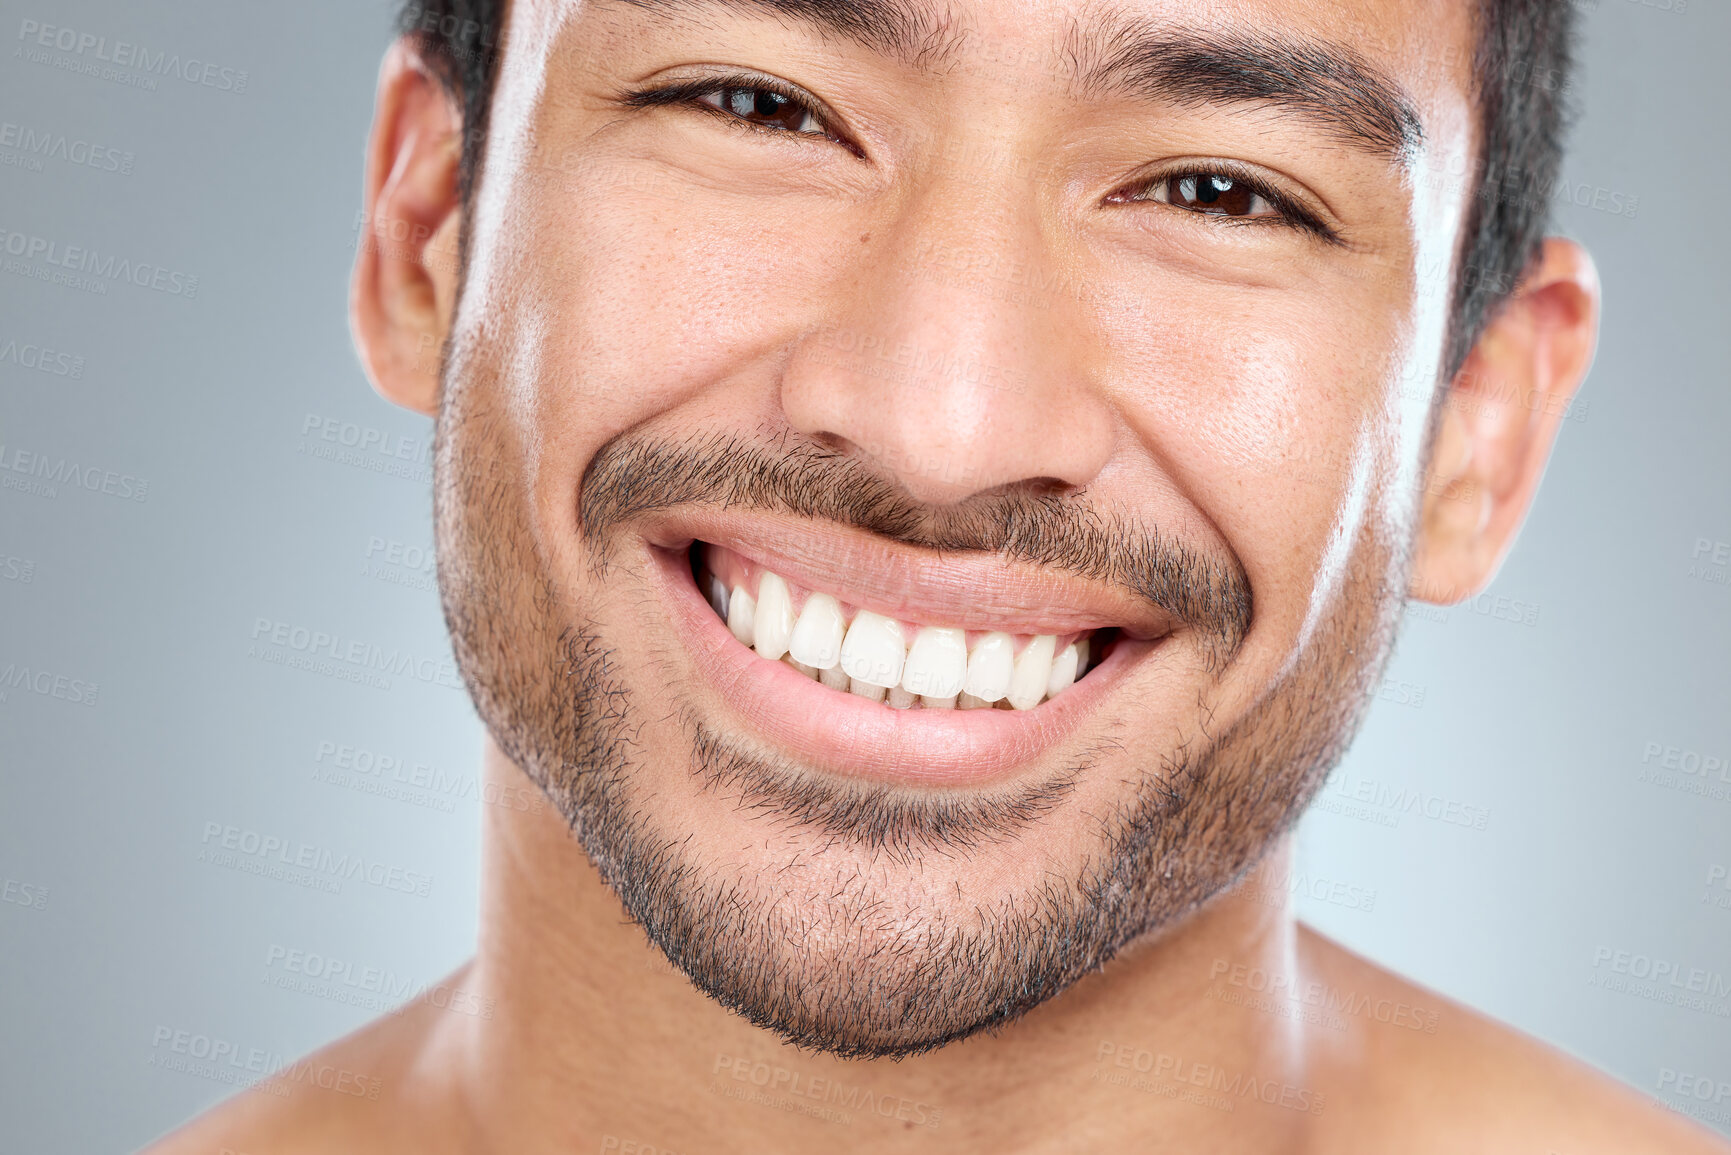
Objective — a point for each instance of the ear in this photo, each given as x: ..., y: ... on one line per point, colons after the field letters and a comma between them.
x: 405, y: 279
x: 1499, y: 422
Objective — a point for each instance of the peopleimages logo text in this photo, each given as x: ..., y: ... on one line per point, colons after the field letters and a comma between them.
x: 356, y: 652
x: 78, y: 259
x: 57, y: 471
x: 47, y: 684
x: 125, y: 54
x: 306, y: 856
x: 46, y: 144
x: 42, y: 359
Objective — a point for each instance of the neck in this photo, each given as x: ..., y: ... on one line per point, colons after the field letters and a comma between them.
x: 597, y: 1043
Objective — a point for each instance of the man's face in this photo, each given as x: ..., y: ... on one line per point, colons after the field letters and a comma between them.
x: 1085, y: 325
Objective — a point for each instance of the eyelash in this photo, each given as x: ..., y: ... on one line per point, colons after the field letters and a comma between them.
x: 1293, y: 215
x: 688, y: 92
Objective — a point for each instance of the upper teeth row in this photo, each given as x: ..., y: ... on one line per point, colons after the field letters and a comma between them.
x: 871, y: 656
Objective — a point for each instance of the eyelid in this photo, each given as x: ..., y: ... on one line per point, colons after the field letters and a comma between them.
x: 686, y: 92
x: 1294, y: 214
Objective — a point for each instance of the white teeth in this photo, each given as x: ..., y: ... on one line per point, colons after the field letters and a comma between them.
x: 870, y: 657
x: 1063, y: 671
x: 990, y: 666
x: 742, y: 615
x: 773, y: 624
x: 816, y: 637
x: 1033, y: 670
x: 873, y: 651
x: 937, y: 662
x: 867, y: 690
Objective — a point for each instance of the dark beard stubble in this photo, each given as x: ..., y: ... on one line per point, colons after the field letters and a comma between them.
x: 547, y: 684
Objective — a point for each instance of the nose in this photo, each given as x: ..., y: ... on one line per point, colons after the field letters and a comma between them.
x: 958, y: 360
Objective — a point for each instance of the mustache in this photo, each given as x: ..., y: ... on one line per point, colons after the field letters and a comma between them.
x: 1038, y: 521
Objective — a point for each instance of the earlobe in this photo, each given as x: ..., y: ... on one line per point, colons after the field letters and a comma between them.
x: 1500, y: 420
x: 404, y: 286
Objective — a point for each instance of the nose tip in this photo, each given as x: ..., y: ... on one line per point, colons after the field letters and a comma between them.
x: 945, y: 422
x: 953, y: 392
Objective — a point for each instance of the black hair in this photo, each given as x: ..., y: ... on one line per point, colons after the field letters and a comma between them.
x: 1523, y: 57
x: 1523, y: 54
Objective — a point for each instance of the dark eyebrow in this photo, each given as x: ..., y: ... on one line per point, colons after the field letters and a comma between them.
x: 1329, y: 84
x: 910, y: 32
x: 1115, y: 54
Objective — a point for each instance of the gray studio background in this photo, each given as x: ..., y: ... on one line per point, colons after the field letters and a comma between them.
x: 1535, y: 816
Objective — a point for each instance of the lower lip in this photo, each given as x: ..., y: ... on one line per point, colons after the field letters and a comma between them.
x: 849, y: 735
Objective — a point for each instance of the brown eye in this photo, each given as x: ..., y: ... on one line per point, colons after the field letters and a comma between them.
x: 763, y: 107
x: 1210, y: 192
x: 1226, y: 195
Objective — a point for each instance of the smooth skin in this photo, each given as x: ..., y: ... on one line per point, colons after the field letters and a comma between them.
x: 1203, y: 362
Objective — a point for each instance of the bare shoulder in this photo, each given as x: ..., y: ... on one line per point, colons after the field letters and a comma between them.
x: 1410, y: 1070
x: 373, y: 1091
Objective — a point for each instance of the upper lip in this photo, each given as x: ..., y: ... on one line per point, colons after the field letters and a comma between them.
x: 971, y: 591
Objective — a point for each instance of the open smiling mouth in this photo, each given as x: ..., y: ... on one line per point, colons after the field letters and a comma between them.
x: 916, y: 666
x: 902, y: 664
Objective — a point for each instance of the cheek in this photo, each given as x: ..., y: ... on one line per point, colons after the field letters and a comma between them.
x: 1251, y: 393
x: 1260, y: 422
x: 644, y: 304
x: 1241, y: 404
x: 637, y: 312
x: 1238, y: 418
